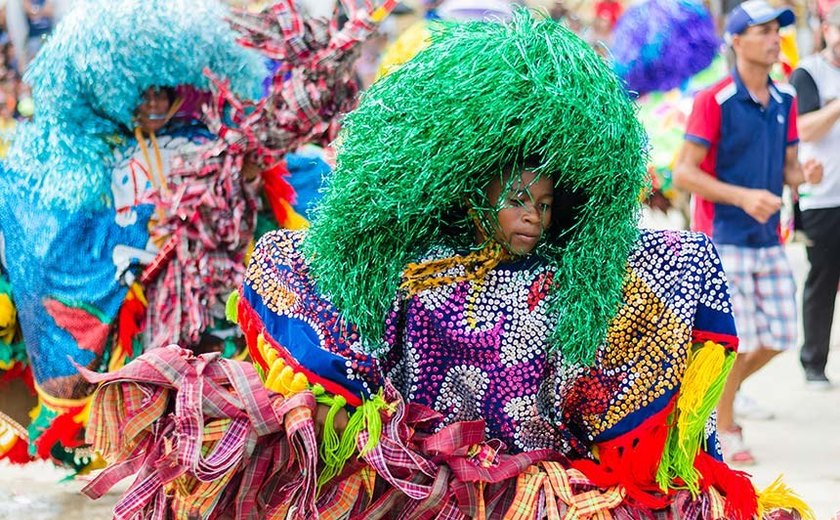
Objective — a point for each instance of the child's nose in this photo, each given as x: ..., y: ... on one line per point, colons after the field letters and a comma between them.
x: 531, y: 213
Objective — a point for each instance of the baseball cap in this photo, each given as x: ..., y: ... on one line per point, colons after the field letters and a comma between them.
x: 756, y: 12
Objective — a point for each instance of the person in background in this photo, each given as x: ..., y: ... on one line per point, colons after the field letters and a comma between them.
x: 740, y: 149
x: 39, y: 15
x: 609, y: 10
x: 817, y: 83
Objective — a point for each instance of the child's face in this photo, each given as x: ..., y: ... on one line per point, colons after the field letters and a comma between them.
x: 523, y: 210
x: 152, y: 112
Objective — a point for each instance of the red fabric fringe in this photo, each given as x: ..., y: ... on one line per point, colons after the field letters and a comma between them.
x: 131, y: 319
x: 18, y: 370
x: 278, y: 189
x: 18, y: 453
x: 64, y: 431
x: 632, y: 460
x: 735, y: 486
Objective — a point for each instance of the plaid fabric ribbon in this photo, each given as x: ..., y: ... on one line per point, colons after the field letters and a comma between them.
x: 312, y: 85
x: 221, y: 410
x: 209, y: 220
x: 206, y: 439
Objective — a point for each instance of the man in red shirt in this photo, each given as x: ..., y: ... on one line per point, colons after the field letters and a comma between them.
x: 741, y: 148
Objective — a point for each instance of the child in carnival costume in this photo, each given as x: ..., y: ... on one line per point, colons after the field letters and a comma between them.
x: 200, y: 209
x: 207, y: 199
x: 473, y: 325
x: 73, y: 238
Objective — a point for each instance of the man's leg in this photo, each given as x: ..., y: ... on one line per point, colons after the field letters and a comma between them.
x: 755, y: 361
x: 725, y: 407
x: 820, y: 292
x: 738, y: 264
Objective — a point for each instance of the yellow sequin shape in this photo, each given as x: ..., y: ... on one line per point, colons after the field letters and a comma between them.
x: 647, y: 347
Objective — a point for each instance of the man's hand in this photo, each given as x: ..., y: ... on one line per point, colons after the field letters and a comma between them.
x: 760, y: 204
x: 659, y: 201
x: 812, y: 170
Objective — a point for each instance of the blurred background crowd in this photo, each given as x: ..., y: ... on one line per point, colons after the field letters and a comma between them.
x: 25, y: 25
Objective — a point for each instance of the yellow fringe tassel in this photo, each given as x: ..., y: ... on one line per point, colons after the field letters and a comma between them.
x: 705, y: 366
x: 8, y: 319
x: 280, y: 378
x: 779, y: 496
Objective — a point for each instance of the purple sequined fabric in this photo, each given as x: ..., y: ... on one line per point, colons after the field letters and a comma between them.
x: 477, y: 350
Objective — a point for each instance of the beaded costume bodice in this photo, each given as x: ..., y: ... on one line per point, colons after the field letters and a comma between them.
x: 476, y: 350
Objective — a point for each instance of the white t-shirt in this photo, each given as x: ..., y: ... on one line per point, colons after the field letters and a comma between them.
x: 826, y: 150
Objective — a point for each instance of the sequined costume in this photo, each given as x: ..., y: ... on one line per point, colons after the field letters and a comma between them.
x: 476, y: 350
x: 573, y: 379
x: 467, y: 362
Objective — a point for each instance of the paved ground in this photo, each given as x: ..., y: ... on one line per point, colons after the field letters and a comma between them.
x: 800, y: 443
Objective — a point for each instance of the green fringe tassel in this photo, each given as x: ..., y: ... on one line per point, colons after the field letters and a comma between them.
x: 334, y: 452
x: 231, y: 306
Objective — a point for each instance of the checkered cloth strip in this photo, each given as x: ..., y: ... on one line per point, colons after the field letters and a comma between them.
x: 202, y: 434
x: 205, y: 439
x: 312, y: 85
x: 208, y: 217
x: 443, y: 475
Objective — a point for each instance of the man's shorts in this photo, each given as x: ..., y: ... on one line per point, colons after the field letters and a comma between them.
x: 763, y: 296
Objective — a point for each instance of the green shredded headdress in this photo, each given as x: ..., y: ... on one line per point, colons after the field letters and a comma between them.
x: 433, y: 133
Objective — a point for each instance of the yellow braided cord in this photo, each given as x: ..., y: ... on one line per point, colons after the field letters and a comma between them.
x: 426, y: 275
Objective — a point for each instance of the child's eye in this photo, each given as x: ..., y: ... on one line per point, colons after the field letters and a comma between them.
x: 545, y: 207
x: 516, y: 203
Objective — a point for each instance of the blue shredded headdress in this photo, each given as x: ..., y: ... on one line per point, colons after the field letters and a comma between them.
x: 89, y: 78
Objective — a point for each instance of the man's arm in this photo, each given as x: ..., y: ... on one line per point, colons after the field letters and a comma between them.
x: 759, y: 204
x: 813, y: 126
x: 814, y: 121
x: 796, y: 173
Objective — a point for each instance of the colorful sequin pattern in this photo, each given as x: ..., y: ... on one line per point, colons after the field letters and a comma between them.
x: 675, y: 294
x: 279, y: 289
x: 478, y: 351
